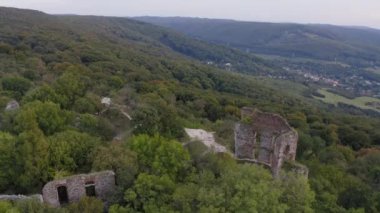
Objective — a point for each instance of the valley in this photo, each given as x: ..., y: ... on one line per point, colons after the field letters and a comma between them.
x: 135, y: 109
x: 326, y: 55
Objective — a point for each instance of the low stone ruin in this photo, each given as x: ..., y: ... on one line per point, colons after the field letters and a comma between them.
x: 265, y: 139
x: 72, y: 189
x: 12, y: 198
x: 106, y: 101
x: 12, y: 105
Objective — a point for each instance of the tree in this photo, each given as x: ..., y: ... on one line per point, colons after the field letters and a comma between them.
x: 331, y: 185
x: 44, y: 93
x: 87, y: 205
x: 213, y: 111
x: 298, y: 120
x: 5, y: 48
x: 86, y: 105
x: 35, y: 206
x: 16, y: 84
x: 367, y: 168
x: 118, y: 158
x: 357, y: 139
x: 251, y: 188
x: 33, y: 158
x: 297, y: 194
x: 160, y: 156
x: 151, y: 193
x: 8, y: 165
x: 244, y: 188
x: 157, y: 117
x: 146, y: 121
x: 357, y: 196
x: 47, y: 115
x: 96, y: 126
x: 71, y: 151
x: 331, y: 135
x: 305, y: 145
x: 7, y: 207
x: 184, y: 197
x: 119, y: 209
x: 72, y: 85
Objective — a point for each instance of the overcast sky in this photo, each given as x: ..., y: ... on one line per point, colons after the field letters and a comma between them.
x: 341, y: 12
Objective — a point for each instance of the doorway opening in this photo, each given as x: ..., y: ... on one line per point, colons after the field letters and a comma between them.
x: 62, y: 195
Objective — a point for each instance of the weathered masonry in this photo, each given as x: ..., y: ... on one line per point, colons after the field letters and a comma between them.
x: 71, y: 189
x: 265, y: 139
x: 36, y: 197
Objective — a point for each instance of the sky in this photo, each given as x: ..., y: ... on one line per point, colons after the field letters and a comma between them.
x: 338, y: 12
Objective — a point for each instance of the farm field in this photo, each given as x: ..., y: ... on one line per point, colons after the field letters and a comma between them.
x: 360, y: 102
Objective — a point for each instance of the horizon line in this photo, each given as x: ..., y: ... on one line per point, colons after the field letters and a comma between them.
x: 208, y: 18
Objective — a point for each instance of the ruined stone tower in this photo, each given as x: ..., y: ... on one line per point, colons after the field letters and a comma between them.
x: 265, y: 139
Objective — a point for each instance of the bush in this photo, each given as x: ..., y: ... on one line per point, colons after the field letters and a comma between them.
x: 18, y: 85
x: 87, y: 205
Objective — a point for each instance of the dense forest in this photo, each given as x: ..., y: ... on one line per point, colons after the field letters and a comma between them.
x: 354, y: 45
x: 58, y: 68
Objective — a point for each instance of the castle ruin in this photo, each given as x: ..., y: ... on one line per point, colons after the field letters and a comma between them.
x: 265, y: 139
x: 72, y: 189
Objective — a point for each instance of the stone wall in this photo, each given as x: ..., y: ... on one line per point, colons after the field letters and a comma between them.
x: 36, y: 197
x: 103, y: 182
x: 265, y: 138
x: 244, y: 141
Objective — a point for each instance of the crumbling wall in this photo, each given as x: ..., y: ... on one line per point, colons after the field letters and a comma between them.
x: 103, y: 182
x: 265, y: 138
x: 36, y: 197
x: 245, y: 141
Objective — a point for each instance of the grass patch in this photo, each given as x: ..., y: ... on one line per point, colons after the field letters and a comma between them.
x: 360, y: 102
x: 285, y: 86
x: 375, y: 70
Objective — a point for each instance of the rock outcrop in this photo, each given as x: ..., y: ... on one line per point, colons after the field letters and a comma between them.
x: 207, y: 138
x: 12, y: 105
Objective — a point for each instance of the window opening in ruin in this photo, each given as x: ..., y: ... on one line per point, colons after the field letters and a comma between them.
x: 287, y: 150
x: 258, y: 146
x: 90, y: 189
x: 62, y: 195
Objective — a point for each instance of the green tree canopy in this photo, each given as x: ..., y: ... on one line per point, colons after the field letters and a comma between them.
x: 18, y: 85
x: 33, y: 159
x: 71, y: 151
x: 118, y: 158
x: 47, y: 116
x: 8, y: 169
x: 160, y: 156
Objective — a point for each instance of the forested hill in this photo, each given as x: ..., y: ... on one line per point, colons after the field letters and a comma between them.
x: 353, y: 45
x: 133, y: 31
x: 55, y: 70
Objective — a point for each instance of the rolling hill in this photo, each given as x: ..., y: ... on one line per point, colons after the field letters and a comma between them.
x: 56, y: 70
x: 120, y: 55
x: 353, y: 45
x: 121, y: 28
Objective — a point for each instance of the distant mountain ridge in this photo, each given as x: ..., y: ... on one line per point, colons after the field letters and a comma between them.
x: 353, y: 45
